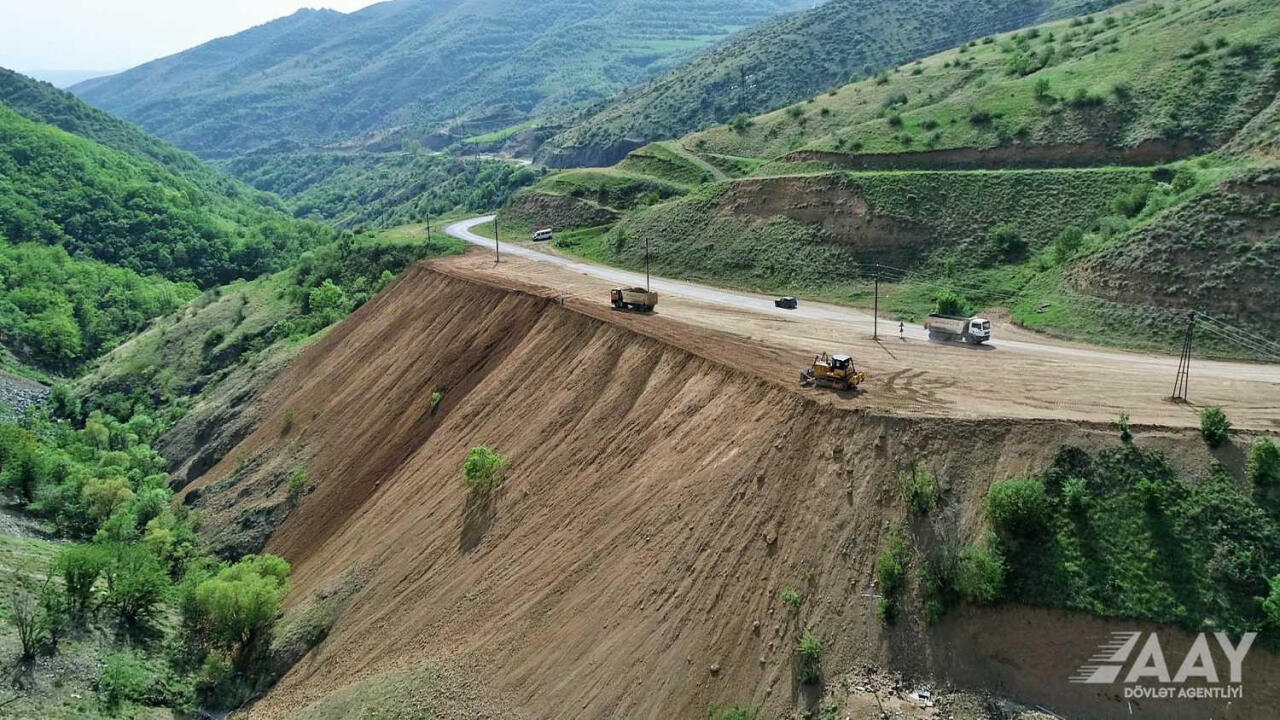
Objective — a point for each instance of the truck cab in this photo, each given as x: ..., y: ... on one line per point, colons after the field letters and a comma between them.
x: 979, y: 330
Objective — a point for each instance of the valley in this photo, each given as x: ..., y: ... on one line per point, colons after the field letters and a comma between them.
x: 429, y: 360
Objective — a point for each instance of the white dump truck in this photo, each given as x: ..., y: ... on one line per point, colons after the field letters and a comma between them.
x: 636, y: 298
x: 974, y: 330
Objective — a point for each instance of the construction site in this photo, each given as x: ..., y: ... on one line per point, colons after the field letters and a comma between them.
x: 668, y: 479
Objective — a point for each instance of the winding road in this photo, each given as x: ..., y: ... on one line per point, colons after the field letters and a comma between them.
x: 1252, y: 390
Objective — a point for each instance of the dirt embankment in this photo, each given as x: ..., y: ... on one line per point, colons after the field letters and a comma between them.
x: 1095, y: 153
x: 657, y: 502
x: 538, y: 209
x: 839, y: 210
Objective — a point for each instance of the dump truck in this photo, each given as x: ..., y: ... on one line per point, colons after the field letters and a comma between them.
x: 974, y: 330
x: 835, y: 371
x: 633, y: 299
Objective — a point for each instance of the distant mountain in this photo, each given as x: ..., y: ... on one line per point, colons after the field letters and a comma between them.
x: 67, y: 78
x: 414, y: 68
x: 789, y: 59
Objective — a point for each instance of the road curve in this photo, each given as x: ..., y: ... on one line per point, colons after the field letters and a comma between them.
x: 462, y: 230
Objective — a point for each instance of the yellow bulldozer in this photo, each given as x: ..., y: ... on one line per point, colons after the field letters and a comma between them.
x: 836, y: 371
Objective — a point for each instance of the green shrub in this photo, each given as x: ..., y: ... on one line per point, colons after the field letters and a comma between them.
x: 891, y: 564
x: 1214, y: 426
x: 732, y: 712
x: 948, y: 302
x: 483, y: 469
x: 1067, y: 243
x: 1130, y: 204
x: 1076, y: 497
x: 979, y: 573
x: 740, y: 123
x: 895, y: 120
x: 792, y: 598
x: 125, y: 679
x: 234, y: 610
x: 920, y: 489
x: 1007, y: 240
x: 1271, y: 604
x: 436, y: 398
x: 297, y: 481
x: 1264, y: 463
x: 1017, y: 507
x: 1126, y: 435
x: 809, y: 648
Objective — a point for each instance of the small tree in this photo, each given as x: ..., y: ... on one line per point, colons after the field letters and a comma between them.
x: 24, y: 613
x: 1126, y: 435
x: 1042, y: 90
x: 80, y: 566
x: 53, y: 611
x: 103, y: 496
x: 920, y: 489
x: 136, y: 584
x: 1214, y: 426
x: 483, y: 469
x: 1264, y: 463
x: 235, y: 609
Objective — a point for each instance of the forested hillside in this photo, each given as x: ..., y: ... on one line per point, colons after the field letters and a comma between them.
x: 351, y: 189
x: 61, y: 189
x: 790, y: 59
x: 450, y: 69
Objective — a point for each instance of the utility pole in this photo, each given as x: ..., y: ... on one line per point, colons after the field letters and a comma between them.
x: 875, y: 313
x: 646, y: 264
x: 428, y: 228
x: 497, y: 249
x: 1184, y: 361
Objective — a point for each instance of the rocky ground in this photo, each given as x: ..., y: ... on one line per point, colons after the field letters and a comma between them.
x: 18, y: 394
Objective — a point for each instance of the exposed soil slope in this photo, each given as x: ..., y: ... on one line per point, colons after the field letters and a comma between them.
x: 657, y: 503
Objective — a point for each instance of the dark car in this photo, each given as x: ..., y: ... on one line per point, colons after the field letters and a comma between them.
x: 787, y: 303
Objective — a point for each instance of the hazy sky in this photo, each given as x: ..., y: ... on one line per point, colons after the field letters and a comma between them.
x: 119, y: 34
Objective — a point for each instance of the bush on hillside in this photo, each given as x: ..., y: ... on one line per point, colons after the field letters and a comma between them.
x: 1067, y: 243
x: 1017, y: 507
x: 948, y: 302
x: 483, y: 469
x: 1214, y: 426
x: 920, y: 489
x: 1264, y: 463
x: 809, y: 648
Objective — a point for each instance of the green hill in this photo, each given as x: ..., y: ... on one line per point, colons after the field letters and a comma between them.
x: 790, y: 59
x: 1130, y: 165
x: 121, y: 208
x: 1144, y: 84
x: 439, y: 69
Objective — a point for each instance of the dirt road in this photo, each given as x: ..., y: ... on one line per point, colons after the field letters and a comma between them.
x: 1020, y: 374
